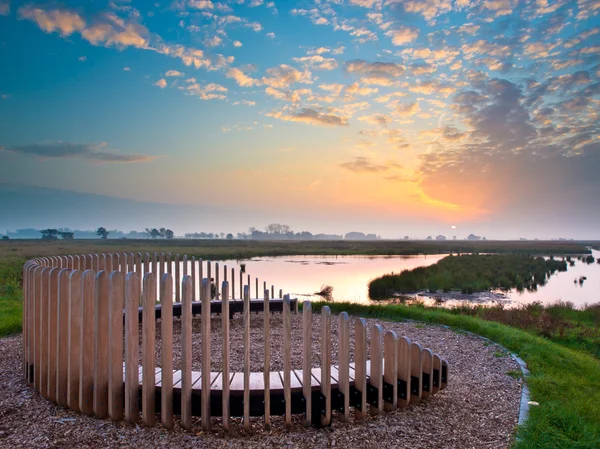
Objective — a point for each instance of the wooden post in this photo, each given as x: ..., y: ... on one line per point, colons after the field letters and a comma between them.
x: 155, y: 267
x: 404, y: 357
x: 132, y: 299
x: 169, y: 265
x: 51, y: 337
x: 108, y: 263
x: 131, y: 263
x: 416, y: 372
x: 376, y: 375
x: 437, y: 374
x: 233, y: 283
x: 200, y: 277
x: 344, y: 362
x: 166, y: 332
x: 184, y: 264
x: 360, y: 368
x: 280, y: 293
x: 326, y: 364
x: 148, y: 350
x: 95, y: 262
x: 225, y: 354
x: 186, y: 354
x: 445, y: 374
x: 390, y: 374
x: 44, y: 317
x: 75, y: 299
x: 272, y: 291
x: 427, y: 376
x: 115, y: 349
x: 161, y: 267
x: 206, y: 354
x: 267, y: 363
x: 178, y: 280
x: 217, y: 281
x: 257, y: 288
x: 62, y: 350
x: 241, y: 285
x: 86, y: 338
x: 287, y: 369
x: 101, y: 342
x: 209, y: 274
x: 194, y: 282
x: 307, y: 360
x: 140, y: 272
x: 247, y: 357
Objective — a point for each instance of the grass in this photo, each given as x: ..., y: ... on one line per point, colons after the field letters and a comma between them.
x: 470, y: 273
x: 565, y: 382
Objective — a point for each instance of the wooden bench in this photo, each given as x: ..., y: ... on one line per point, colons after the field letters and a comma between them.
x: 257, y: 389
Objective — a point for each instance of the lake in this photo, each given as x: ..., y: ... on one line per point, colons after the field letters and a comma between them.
x: 303, y: 276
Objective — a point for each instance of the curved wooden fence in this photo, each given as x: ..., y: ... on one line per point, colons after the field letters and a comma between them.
x: 81, y: 326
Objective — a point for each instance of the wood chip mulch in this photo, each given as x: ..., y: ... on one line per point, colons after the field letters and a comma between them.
x: 478, y: 409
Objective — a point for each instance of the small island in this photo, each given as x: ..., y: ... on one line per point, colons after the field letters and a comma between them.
x: 469, y: 273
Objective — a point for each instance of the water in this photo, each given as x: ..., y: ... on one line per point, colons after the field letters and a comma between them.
x: 302, y: 276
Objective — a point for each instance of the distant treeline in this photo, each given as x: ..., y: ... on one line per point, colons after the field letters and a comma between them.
x: 470, y: 273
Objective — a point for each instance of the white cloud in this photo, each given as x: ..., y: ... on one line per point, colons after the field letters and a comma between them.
x: 174, y: 73
x: 403, y: 35
x: 237, y: 44
x: 270, y: 35
x: 162, y: 83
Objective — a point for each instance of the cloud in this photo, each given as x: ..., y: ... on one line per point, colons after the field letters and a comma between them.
x: 4, y: 9
x: 64, y: 22
x: 162, y: 83
x: 209, y: 91
x: 376, y: 119
x: 284, y: 75
x: 403, y: 35
x: 363, y: 165
x: 318, y: 62
x: 174, y: 73
x: 408, y: 109
x: 82, y: 58
x: 241, y: 78
x: 201, y: 4
x: 237, y: 44
x: 367, y: 3
x: 270, y: 35
x: 311, y: 117
x: 91, y: 152
x: 213, y: 41
x: 379, y: 73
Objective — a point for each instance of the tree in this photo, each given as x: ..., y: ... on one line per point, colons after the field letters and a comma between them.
x: 153, y: 233
x: 276, y: 228
x: 229, y: 236
x: 102, y: 233
x: 66, y: 235
x: 49, y: 234
x: 5, y: 237
x: 162, y: 232
x: 169, y: 234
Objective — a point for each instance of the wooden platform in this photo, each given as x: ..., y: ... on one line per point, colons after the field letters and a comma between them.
x: 257, y: 388
x: 235, y: 306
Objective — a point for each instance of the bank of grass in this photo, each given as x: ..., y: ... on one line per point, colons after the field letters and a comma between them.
x: 470, y: 273
x: 561, y: 322
x: 11, y: 304
x: 565, y: 382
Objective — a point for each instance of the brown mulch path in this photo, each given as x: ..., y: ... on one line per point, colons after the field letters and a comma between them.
x: 478, y: 409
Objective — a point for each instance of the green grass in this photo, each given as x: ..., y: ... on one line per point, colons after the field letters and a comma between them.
x: 565, y: 382
x: 470, y: 273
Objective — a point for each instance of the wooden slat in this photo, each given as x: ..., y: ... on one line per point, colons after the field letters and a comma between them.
x: 225, y: 354
x: 37, y: 310
x: 116, y: 304
x: 186, y: 354
x: 193, y: 274
x: 360, y: 368
x: 169, y: 263
x: 307, y: 359
x: 132, y: 299
x: 287, y: 330
x: 206, y: 353
x: 404, y: 358
x: 75, y: 300
x: 427, y: 356
x: 139, y: 269
x: 108, y: 263
x: 51, y: 338
x: 101, y: 341
x: 376, y: 372
x: 148, y: 349
x: 216, y: 281
x: 178, y: 279
x: 416, y: 372
x: 326, y: 363
x: 445, y: 367
x: 86, y: 338
x: 390, y: 367
x: 233, y: 283
x: 43, y: 337
x: 344, y: 360
x: 95, y: 262
x: 31, y: 270
x: 166, y: 332
x: 267, y: 363
x: 437, y: 368
x: 246, y: 357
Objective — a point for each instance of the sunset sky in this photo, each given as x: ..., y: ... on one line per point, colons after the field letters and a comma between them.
x: 398, y: 117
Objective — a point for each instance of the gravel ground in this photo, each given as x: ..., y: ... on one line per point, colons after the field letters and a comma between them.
x: 478, y: 409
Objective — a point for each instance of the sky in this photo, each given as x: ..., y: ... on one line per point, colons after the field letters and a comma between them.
x: 394, y: 117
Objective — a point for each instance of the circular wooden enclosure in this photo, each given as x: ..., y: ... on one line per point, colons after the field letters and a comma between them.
x: 82, y: 317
